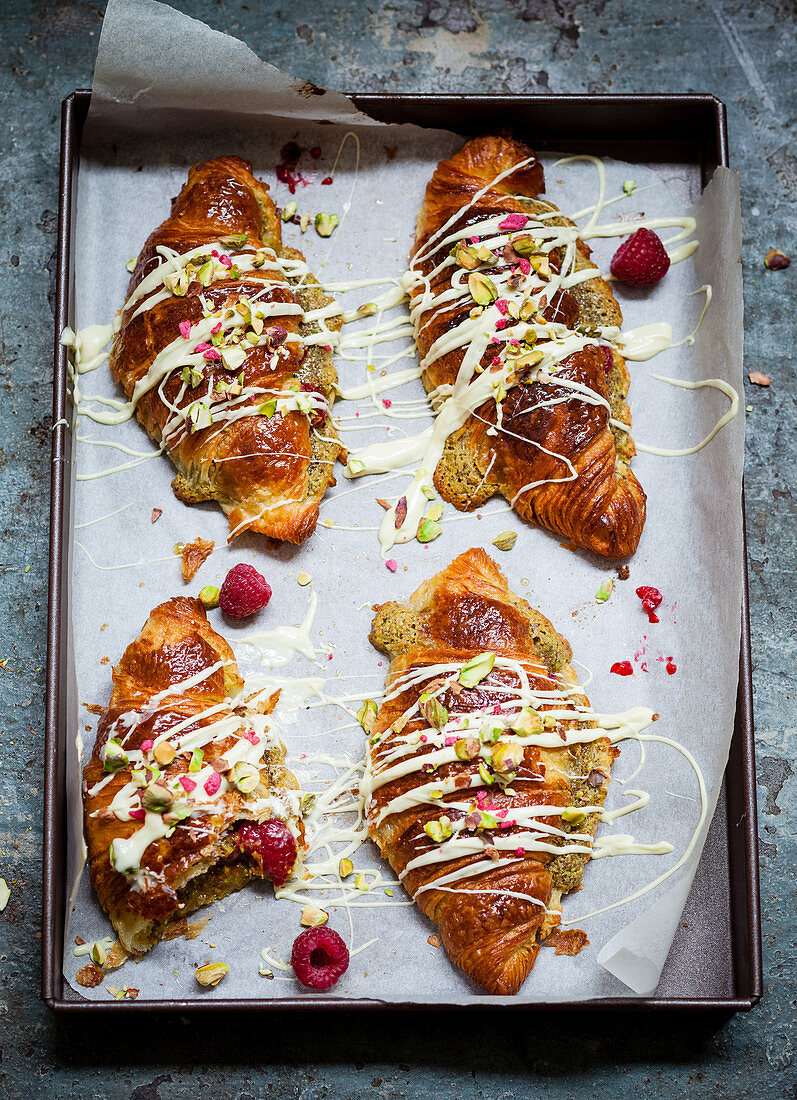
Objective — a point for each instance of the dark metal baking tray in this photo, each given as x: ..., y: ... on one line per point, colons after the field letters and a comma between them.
x: 715, y: 960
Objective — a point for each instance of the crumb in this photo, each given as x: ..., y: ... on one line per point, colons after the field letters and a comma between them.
x: 759, y: 379
x: 433, y: 940
x: 89, y: 975
x: 194, y: 555
x: 623, y: 572
x: 103, y: 627
x: 567, y: 941
x: 105, y: 660
x: 156, y: 514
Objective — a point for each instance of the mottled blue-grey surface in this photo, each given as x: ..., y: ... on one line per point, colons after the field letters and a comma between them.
x: 744, y: 53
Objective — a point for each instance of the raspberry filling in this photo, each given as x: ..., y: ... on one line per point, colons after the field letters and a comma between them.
x: 272, y: 845
x: 651, y: 598
x: 319, y: 958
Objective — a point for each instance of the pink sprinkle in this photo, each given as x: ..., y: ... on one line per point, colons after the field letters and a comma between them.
x: 500, y: 305
x: 391, y: 564
x: 481, y: 798
x: 520, y: 852
x: 474, y: 240
x: 203, y: 346
x: 500, y: 323
x: 329, y: 656
x: 496, y: 360
x: 216, y: 328
x: 138, y: 815
x: 251, y: 737
x: 513, y: 221
x: 187, y: 784
x: 524, y: 265
x: 211, y: 354
x: 423, y: 738
x: 449, y: 741
x: 185, y: 329
x: 225, y: 261
x: 515, y: 342
x: 147, y: 745
x: 212, y: 783
x: 326, y: 180
x: 386, y: 402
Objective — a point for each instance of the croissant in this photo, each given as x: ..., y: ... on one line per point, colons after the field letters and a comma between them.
x: 218, y: 352
x: 501, y: 285
x: 482, y: 787
x: 186, y: 795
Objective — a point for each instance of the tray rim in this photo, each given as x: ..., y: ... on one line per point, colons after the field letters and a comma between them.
x: 741, y: 802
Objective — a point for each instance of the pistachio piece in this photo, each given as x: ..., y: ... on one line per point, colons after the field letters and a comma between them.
x: 192, y: 376
x: 629, y: 186
x: 304, y: 221
x: 164, y: 752
x: 513, y: 309
x: 205, y: 273
x: 209, y: 596
x: 524, y: 244
x: 326, y: 224
x: 482, y: 289
x: 439, y: 830
x: 345, y: 868
x: 506, y: 756
x: 235, y: 241
x: 466, y: 256
x: 157, y: 798
x: 307, y: 803
x: 268, y: 408
x: 527, y: 311
x: 428, y: 492
x: 530, y: 336
x: 485, y: 774
x: 435, y: 511
x: 435, y: 794
x: 362, y: 884
x: 529, y: 359
x: 211, y: 973
x: 131, y: 264
x: 258, y: 259
x: 433, y: 711
x: 539, y: 263
x: 506, y: 540
x: 573, y: 816
x: 474, y: 671
x: 467, y: 748
x: 114, y: 756
x: 288, y: 211
x: 527, y: 722
x: 485, y: 255
x: 178, y: 283
x: 428, y: 530
x: 303, y: 579
x: 313, y: 917
x: 366, y: 715
x: 245, y: 776
x: 195, y: 764
x: 232, y: 357
x: 477, y: 311
x: 605, y: 590
x: 98, y: 954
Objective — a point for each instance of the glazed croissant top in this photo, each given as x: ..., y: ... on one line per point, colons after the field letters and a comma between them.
x: 215, y: 347
x: 177, y: 765
x: 502, y: 285
x: 473, y: 793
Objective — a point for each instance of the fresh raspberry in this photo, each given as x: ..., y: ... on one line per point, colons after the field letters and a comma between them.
x: 272, y: 844
x: 641, y: 260
x: 243, y: 592
x: 651, y: 598
x: 319, y: 958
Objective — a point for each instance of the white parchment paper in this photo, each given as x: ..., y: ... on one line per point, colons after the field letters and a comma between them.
x: 168, y: 92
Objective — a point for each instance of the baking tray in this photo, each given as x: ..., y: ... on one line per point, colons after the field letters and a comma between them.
x: 715, y: 960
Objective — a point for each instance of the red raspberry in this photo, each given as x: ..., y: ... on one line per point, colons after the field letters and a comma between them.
x: 272, y: 844
x: 641, y: 260
x: 243, y: 592
x: 651, y: 598
x: 319, y: 958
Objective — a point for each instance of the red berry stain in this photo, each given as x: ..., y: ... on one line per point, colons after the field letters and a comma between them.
x: 651, y: 598
x: 315, y: 152
x: 326, y: 180
x: 292, y: 177
x: 671, y: 666
x: 272, y: 845
x: 319, y: 958
x: 622, y: 668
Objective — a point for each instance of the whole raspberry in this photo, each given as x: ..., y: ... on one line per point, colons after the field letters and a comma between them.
x: 273, y: 846
x: 243, y: 592
x: 319, y: 957
x: 641, y: 260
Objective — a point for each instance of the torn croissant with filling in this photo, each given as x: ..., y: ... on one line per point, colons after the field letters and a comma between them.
x: 186, y: 796
x: 220, y: 354
x: 487, y: 769
x: 510, y: 317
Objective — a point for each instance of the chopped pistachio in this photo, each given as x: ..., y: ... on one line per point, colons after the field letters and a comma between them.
x: 485, y: 775
x: 629, y: 186
x: 258, y: 259
x: 205, y: 273
x: 288, y: 211
x: 524, y: 244
x: 197, y: 757
x: 209, y: 596
x: 114, y: 756
x: 477, y: 311
x: 245, y: 776
x: 157, y: 798
x: 529, y: 359
x: 268, y: 408
x: 573, y: 816
x: 131, y: 264
x: 367, y: 310
x: 345, y: 868
x: 366, y: 715
x: 433, y: 711
x: 439, y: 830
x: 362, y: 884
x: 482, y: 289
x: 527, y: 311
x: 605, y: 590
x: 435, y: 794
x: 308, y: 801
x: 527, y: 722
x: 192, y: 376
x: 178, y: 283
x: 389, y: 892
x: 475, y: 670
x: 211, y: 973
x: 98, y: 954
x: 303, y: 579
x: 539, y: 263
x: 467, y: 748
x: 506, y: 756
x: 513, y: 309
x: 428, y: 492
x: 164, y: 752
x: 506, y: 540
x: 232, y: 357
x: 313, y: 917
x: 466, y: 256
x: 428, y: 530
x: 485, y: 255
x: 326, y: 224
x: 304, y: 221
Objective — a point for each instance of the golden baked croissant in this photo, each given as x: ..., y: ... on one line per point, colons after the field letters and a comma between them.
x: 476, y: 780
x: 501, y: 286
x: 186, y: 796
x: 217, y: 350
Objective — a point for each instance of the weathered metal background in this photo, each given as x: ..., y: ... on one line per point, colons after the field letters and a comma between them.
x: 745, y: 54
